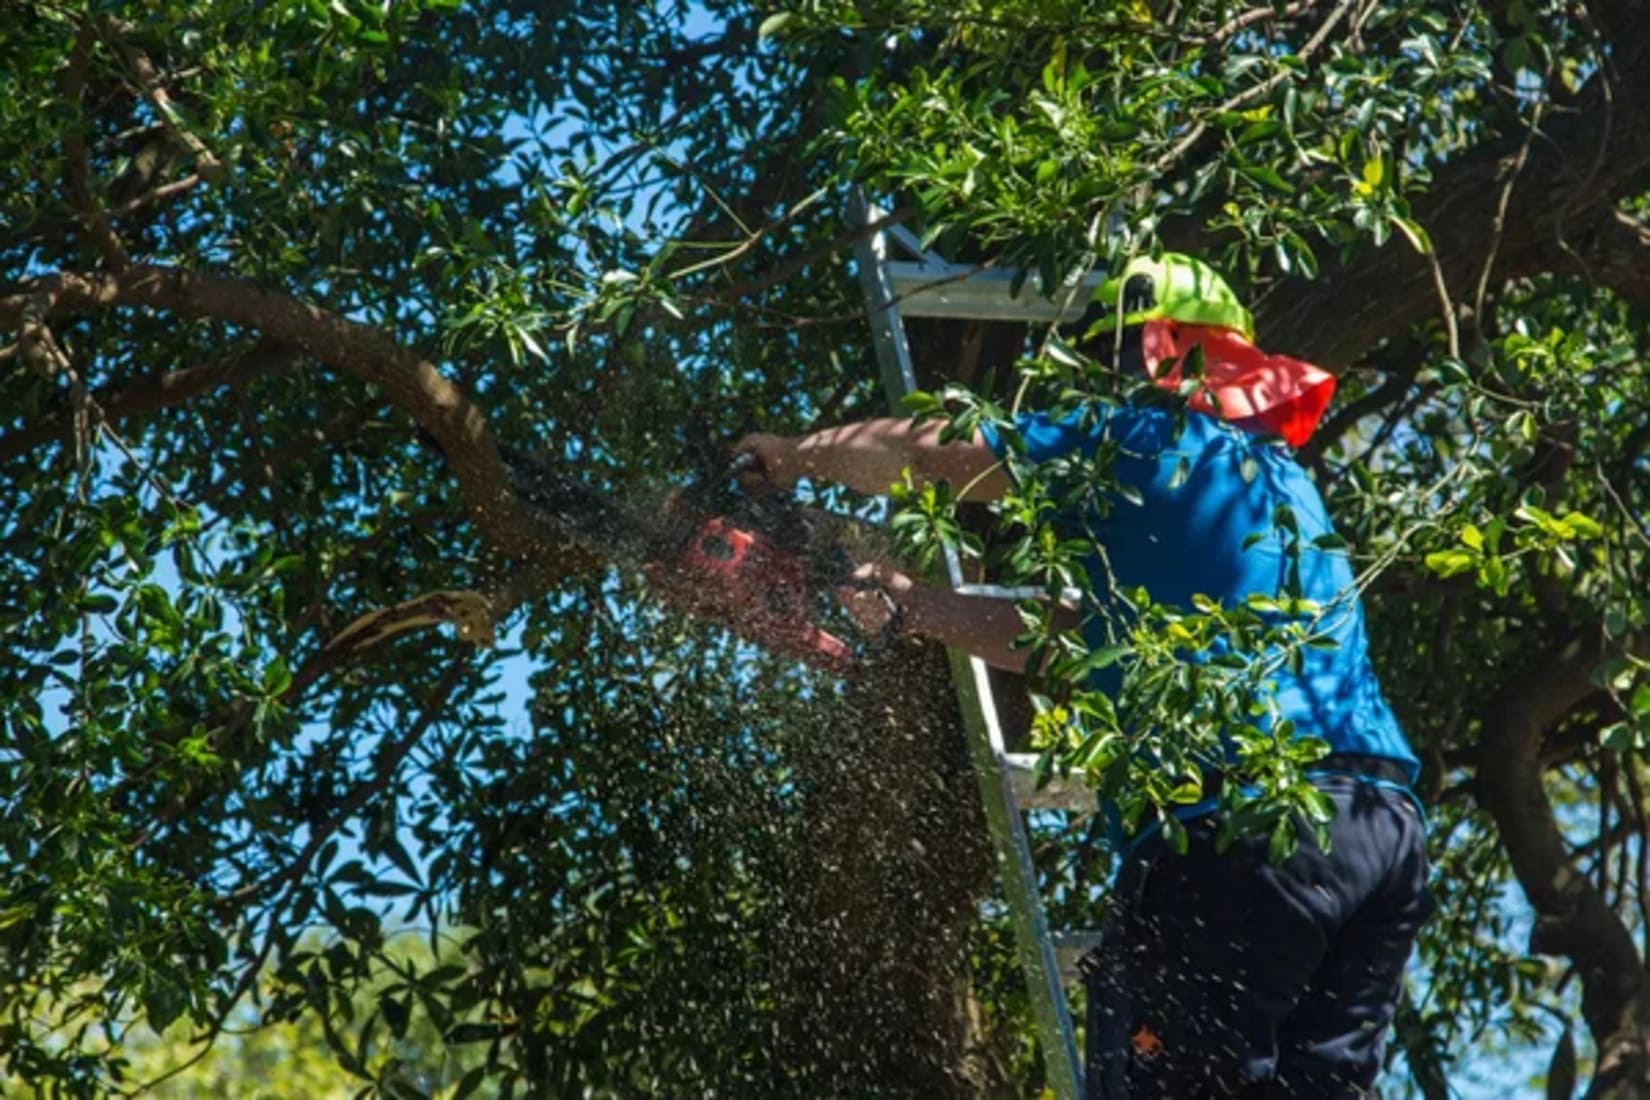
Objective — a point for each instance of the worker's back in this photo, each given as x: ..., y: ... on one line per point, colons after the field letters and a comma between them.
x: 1202, y: 520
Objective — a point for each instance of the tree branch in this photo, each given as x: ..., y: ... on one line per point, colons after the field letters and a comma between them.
x: 1561, y: 208
x: 1613, y: 251
x: 266, y: 358
x: 1572, y: 918
x: 474, y: 615
x: 1189, y: 140
x: 1392, y: 389
x: 386, y: 763
x: 152, y: 88
x: 412, y: 383
x: 71, y: 82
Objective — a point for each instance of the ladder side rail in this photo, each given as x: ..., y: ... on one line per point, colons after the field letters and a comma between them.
x: 1007, y: 826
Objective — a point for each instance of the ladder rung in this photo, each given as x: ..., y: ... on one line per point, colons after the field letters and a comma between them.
x: 1060, y: 794
x: 982, y: 294
x: 1071, y: 946
x: 1017, y: 592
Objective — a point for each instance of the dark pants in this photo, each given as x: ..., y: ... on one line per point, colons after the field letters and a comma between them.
x: 1220, y: 975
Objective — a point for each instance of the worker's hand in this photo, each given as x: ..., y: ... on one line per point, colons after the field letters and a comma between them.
x: 874, y: 596
x: 779, y: 463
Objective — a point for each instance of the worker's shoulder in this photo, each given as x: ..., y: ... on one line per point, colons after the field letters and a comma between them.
x: 1153, y: 427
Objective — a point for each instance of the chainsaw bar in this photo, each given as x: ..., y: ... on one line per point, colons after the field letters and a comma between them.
x: 751, y: 565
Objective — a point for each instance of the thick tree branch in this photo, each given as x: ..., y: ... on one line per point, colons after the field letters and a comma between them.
x: 412, y: 383
x: 1563, y: 206
x: 153, y: 88
x: 1572, y: 918
x: 1613, y: 251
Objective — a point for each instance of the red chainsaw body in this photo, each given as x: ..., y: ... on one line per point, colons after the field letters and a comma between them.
x: 740, y: 578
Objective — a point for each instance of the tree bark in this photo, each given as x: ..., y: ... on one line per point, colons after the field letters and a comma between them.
x: 1561, y: 217
x: 412, y: 383
x: 1572, y: 918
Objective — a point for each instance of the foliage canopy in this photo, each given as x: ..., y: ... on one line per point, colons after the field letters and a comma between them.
x: 249, y: 253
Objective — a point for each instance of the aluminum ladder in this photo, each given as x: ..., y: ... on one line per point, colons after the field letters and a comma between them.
x: 923, y: 285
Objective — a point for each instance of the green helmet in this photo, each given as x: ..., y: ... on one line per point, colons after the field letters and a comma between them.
x: 1176, y: 287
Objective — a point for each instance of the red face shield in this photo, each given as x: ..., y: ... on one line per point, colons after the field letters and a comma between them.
x: 1270, y: 394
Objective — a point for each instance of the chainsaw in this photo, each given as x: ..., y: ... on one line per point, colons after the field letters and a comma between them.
x: 756, y: 563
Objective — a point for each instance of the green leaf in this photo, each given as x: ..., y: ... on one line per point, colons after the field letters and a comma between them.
x: 1582, y: 526
x: 473, y: 1033
x: 469, y: 1082
x: 1374, y: 172
x: 775, y: 24
x: 1417, y: 236
x: 1186, y: 793
x: 163, y: 1003
x: 1448, y: 563
x: 1619, y: 737
x: 1282, y: 843
x: 1105, y: 657
x: 1182, y: 471
x: 1270, y: 177
x: 1174, y: 833
x: 396, y: 1014
x: 1059, y: 351
x: 277, y: 678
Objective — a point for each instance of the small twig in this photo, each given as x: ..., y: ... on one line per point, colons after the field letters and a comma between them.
x: 795, y: 321
x: 1451, y: 328
x: 784, y: 271
x: 1257, y: 15
x: 157, y: 392
x: 49, y: 354
x: 164, y: 193
x: 1501, y: 212
x: 1635, y: 789
x: 389, y: 761
x: 1248, y: 95
x: 472, y: 614
x: 1575, y: 194
x: 41, y: 348
x: 750, y: 241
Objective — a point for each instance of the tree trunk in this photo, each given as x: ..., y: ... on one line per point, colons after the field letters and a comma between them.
x: 1623, y: 1071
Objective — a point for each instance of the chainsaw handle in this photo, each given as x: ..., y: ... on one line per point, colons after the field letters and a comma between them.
x: 746, y: 462
x: 895, y: 626
x: 750, y: 472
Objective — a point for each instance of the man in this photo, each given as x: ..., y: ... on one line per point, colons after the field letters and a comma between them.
x: 1220, y: 974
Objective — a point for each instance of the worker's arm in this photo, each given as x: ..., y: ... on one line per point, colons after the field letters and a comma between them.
x: 871, y: 455
x: 984, y: 626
